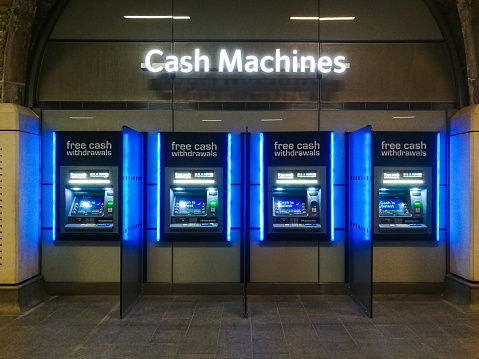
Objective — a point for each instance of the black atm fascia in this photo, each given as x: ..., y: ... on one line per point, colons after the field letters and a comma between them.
x: 88, y: 201
x: 297, y: 167
x: 194, y: 198
x: 296, y: 202
x: 405, y: 186
x: 87, y: 172
x: 402, y: 201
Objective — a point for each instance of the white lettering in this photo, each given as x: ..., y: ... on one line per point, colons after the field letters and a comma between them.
x: 325, y: 64
x: 280, y: 58
x: 149, y: 66
x: 230, y: 65
x: 198, y: 59
x: 186, y: 65
x: 312, y: 63
x: 251, y: 64
x: 268, y: 64
x: 171, y: 64
x: 338, y: 61
x: 262, y: 64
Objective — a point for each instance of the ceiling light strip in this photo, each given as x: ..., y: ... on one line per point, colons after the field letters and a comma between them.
x: 156, y: 17
x: 336, y: 18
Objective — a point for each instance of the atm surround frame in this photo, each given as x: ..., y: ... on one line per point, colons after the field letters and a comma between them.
x: 220, y: 160
x: 430, y: 161
x: 63, y: 162
x: 324, y: 161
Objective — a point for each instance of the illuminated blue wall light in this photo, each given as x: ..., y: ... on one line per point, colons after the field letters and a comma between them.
x: 438, y: 183
x: 332, y: 186
x: 228, y: 228
x: 125, y: 204
x: 158, y: 193
x: 261, y: 187
x: 54, y: 180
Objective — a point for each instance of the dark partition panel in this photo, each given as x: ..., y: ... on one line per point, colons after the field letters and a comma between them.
x: 131, y: 280
x: 360, y: 218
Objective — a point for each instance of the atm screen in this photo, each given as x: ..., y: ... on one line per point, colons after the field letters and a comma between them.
x: 88, y: 207
x: 392, y: 207
x: 288, y: 206
x: 189, y: 206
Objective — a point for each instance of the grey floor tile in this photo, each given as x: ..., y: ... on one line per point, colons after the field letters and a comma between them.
x: 238, y: 351
x: 196, y: 327
x: 269, y: 346
x: 168, y: 336
x: 331, y: 332
x: 396, y: 331
x: 328, y: 319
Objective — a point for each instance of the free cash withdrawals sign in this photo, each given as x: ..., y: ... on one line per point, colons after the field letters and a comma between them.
x: 404, y: 148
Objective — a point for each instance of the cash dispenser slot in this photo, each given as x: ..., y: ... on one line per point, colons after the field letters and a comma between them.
x: 402, y: 201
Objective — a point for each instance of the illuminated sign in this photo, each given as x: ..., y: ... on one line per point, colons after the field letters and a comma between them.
x: 157, y: 61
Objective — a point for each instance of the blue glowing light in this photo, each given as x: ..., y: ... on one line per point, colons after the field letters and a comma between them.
x: 438, y: 183
x: 158, y: 193
x: 126, y: 173
x: 228, y: 228
x: 332, y: 186
x: 261, y: 187
x: 368, y: 189
x: 54, y: 181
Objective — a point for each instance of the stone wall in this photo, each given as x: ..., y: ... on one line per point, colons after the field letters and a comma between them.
x: 469, y: 15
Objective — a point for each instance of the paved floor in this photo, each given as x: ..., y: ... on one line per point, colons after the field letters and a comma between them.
x: 204, y: 327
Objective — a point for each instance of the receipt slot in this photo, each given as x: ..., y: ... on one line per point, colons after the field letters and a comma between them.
x: 88, y: 200
x: 405, y: 202
x: 296, y: 181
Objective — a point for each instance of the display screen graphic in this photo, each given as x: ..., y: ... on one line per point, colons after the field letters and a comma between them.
x: 191, y: 203
x: 288, y: 206
x: 88, y: 207
x: 189, y: 206
x: 392, y: 207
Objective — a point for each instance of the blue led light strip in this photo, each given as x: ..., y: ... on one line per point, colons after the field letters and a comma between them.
x: 125, y: 182
x: 332, y: 186
x: 228, y: 228
x: 438, y: 183
x: 54, y: 181
x: 158, y: 193
x: 261, y: 188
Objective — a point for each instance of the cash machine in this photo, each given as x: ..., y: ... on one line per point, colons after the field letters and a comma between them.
x: 194, y: 197
x: 196, y: 186
x: 295, y: 198
x: 88, y: 200
x: 405, y: 185
x: 297, y: 184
